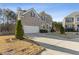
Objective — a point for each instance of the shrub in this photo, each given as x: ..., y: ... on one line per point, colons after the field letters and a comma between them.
x: 43, y: 31
x: 62, y: 31
x: 56, y: 26
x: 19, y: 30
x: 52, y: 30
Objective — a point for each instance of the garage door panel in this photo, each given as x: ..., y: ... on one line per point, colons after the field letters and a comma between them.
x: 31, y: 29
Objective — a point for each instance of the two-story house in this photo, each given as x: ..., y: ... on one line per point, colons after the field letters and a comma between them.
x: 46, y: 21
x: 32, y: 21
x: 71, y: 21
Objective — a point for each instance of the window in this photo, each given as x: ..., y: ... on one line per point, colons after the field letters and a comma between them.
x: 47, y: 26
x: 32, y: 14
x: 78, y: 19
x: 69, y: 26
x: 44, y: 27
x: 69, y: 19
x: 43, y: 18
x: 77, y: 25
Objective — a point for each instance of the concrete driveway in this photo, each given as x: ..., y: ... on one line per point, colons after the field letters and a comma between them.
x: 56, y: 45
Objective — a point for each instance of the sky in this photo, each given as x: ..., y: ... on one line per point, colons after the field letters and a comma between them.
x: 57, y: 10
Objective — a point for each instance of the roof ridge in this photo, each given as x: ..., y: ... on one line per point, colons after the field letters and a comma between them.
x: 28, y: 10
x: 33, y: 11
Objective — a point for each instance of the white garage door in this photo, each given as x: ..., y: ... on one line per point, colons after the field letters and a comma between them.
x: 31, y: 29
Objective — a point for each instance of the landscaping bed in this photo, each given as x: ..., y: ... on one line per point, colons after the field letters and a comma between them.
x: 9, y: 45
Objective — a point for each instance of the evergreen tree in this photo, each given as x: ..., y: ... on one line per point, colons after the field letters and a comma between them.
x: 19, y: 30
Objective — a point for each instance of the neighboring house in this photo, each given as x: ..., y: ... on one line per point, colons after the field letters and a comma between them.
x: 32, y: 21
x: 71, y: 21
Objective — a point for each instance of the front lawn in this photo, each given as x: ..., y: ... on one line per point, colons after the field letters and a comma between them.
x: 18, y: 47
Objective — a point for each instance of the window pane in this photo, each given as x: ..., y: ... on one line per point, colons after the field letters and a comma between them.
x: 78, y: 19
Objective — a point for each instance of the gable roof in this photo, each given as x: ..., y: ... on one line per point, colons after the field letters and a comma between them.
x: 43, y: 13
x: 33, y: 10
x: 73, y: 14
